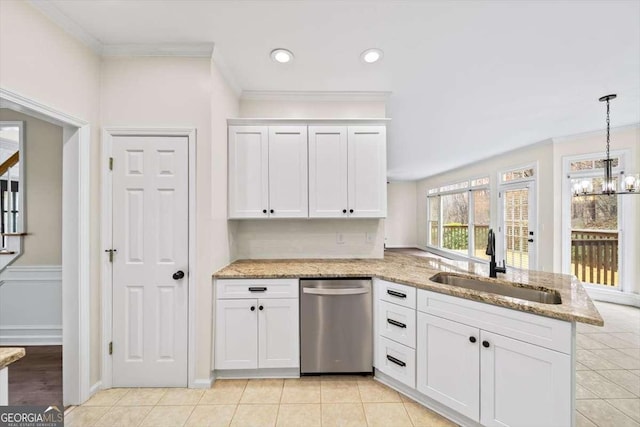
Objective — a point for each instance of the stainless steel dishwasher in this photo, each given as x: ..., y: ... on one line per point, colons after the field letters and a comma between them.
x: 336, y: 326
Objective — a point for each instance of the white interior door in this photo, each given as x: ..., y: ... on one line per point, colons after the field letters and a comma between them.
x: 518, y: 225
x: 150, y: 235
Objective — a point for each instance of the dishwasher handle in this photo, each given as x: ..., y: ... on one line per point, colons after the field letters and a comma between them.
x: 342, y: 291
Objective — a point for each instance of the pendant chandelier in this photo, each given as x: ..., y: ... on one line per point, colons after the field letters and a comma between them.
x: 629, y: 183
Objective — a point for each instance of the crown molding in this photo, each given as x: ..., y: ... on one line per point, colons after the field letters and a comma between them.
x: 269, y: 95
x: 51, y: 11
x: 193, y: 50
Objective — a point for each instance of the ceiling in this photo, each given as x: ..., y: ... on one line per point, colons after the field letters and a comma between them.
x: 469, y: 79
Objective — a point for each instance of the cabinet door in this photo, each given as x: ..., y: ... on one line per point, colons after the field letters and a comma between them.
x: 278, y: 341
x: 448, y: 363
x: 523, y: 384
x: 236, y: 334
x: 288, y: 161
x: 248, y: 172
x: 367, y: 171
x: 328, y: 172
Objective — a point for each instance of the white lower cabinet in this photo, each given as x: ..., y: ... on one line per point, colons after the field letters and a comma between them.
x: 523, y: 384
x: 257, y: 333
x: 396, y: 360
x: 236, y: 334
x: 448, y: 368
x: 278, y: 344
x: 490, y: 378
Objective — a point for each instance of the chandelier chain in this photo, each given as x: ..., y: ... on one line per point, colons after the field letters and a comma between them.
x: 608, y: 131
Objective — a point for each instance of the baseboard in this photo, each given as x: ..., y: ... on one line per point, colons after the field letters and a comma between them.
x: 258, y: 373
x: 437, y: 407
x: 202, y: 383
x: 616, y: 297
x: 30, y: 335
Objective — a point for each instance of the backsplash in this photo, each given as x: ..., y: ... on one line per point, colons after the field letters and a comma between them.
x: 304, y: 238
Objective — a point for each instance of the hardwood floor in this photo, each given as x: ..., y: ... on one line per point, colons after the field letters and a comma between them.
x: 36, y: 379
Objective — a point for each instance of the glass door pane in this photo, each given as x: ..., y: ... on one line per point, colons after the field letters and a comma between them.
x: 594, y: 238
x: 517, y: 215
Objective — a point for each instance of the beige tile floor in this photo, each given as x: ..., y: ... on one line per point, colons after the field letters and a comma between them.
x: 608, y: 392
x: 608, y: 369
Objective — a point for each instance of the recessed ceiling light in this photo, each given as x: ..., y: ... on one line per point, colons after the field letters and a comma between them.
x: 281, y: 55
x: 371, y: 55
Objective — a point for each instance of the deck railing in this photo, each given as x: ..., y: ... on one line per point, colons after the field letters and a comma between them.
x: 594, y: 256
x: 456, y: 236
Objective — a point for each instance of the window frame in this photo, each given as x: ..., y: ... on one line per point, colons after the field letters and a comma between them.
x: 436, y: 193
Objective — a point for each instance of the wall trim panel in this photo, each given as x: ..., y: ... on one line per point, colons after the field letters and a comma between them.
x: 31, y: 292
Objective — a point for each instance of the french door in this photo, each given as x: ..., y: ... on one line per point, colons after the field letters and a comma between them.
x: 518, y: 225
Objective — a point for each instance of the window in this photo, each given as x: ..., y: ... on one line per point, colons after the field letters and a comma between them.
x: 434, y: 221
x: 459, y: 217
x: 518, y: 174
x: 481, y: 222
x: 455, y: 222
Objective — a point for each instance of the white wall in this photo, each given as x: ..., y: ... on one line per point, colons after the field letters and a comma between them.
x: 41, y: 164
x: 182, y: 92
x: 308, y: 238
x: 400, y: 226
x: 542, y: 153
x: 626, y: 139
x: 42, y: 62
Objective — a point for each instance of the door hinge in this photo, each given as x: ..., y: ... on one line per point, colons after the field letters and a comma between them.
x: 110, y: 163
x: 111, y: 252
x: 111, y: 347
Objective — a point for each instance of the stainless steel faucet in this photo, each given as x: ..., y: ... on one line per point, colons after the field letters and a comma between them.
x: 491, y: 251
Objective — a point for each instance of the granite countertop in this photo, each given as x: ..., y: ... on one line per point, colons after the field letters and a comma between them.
x: 8, y: 355
x: 415, y: 269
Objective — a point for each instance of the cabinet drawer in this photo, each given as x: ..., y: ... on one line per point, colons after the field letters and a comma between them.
x: 396, y: 293
x: 539, y: 330
x: 396, y: 360
x: 397, y: 323
x: 256, y: 288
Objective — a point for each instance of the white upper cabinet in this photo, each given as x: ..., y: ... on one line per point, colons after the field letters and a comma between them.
x: 288, y: 172
x: 347, y: 172
x: 268, y: 172
x: 300, y: 171
x: 367, y: 171
x: 328, y: 172
x: 248, y: 171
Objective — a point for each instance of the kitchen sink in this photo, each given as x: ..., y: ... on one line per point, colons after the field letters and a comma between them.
x: 544, y: 296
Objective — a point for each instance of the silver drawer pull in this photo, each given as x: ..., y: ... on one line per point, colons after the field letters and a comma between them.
x: 347, y: 291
